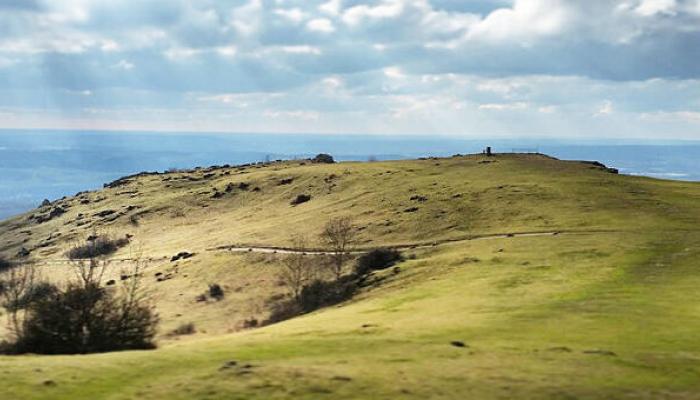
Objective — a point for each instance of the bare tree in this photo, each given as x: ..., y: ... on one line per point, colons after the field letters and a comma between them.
x: 16, y: 285
x: 296, y: 271
x: 338, y: 235
x: 138, y: 316
x: 90, y: 272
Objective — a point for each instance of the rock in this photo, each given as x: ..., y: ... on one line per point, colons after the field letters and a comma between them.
x: 228, y: 365
x: 600, y: 352
x: 323, y: 159
x: 410, y: 209
x: 457, y: 343
x: 46, y: 203
x: 23, y: 252
x: 183, y: 255
x: 302, y: 198
x: 562, y: 349
x: 104, y: 213
x: 111, y: 282
x: 286, y: 181
x: 418, y: 198
x: 57, y: 212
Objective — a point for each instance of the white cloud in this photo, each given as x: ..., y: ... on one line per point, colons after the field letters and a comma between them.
x: 301, y: 49
x: 332, y: 82
x: 394, y: 72
x: 386, y: 9
x: 331, y: 7
x: 246, y: 19
x: 527, y: 19
x: 84, y: 93
x: 293, y: 14
x: 181, y: 53
x: 109, y: 45
x: 605, y: 109
x: 124, y: 64
x: 294, y: 114
x: 227, y: 51
x: 320, y: 25
x: 503, y: 106
x: 651, y: 7
x: 501, y: 86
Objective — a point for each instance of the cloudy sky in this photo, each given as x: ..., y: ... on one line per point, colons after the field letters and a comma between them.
x: 565, y: 68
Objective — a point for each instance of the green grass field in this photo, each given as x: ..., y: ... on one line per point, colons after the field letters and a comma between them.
x: 607, y: 308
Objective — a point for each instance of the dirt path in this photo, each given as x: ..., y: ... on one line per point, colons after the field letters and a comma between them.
x: 285, y: 250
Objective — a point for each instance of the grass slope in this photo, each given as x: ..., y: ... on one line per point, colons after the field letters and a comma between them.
x: 607, y: 309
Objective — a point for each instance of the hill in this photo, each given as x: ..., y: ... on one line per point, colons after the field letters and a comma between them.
x: 528, y: 277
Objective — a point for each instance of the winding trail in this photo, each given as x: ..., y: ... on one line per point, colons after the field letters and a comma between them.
x: 286, y: 250
x: 411, y: 246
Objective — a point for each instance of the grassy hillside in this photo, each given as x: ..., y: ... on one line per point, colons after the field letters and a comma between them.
x: 603, y: 304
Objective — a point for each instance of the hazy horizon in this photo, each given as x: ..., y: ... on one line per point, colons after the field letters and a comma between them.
x: 53, y: 164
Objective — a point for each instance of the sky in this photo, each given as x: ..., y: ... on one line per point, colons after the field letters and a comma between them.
x: 468, y: 68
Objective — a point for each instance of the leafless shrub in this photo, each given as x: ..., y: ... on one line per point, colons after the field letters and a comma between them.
x: 338, y: 235
x: 96, y: 245
x: 15, y: 285
x: 296, y: 271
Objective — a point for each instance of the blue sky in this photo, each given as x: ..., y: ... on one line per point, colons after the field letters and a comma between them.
x: 559, y: 68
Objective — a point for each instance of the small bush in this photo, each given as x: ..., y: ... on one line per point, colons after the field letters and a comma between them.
x: 86, y: 319
x: 326, y: 293
x: 376, y: 260
x: 5, y: 264
x: 184, y: 329
x: 250, y: 323
x: 216, y: 291
x: 282, y: 311
x: 97, y: 246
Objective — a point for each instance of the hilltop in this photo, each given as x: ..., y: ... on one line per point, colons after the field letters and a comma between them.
x: 526, y: 276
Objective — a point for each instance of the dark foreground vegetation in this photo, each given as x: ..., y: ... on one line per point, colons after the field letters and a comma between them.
x: 5, y: 264
x: 79, y: 317
x: 305, y: 276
